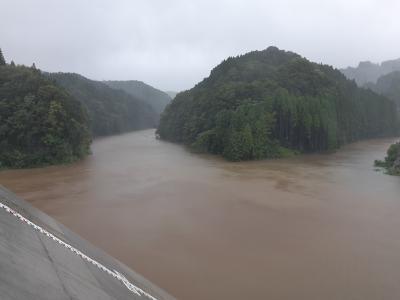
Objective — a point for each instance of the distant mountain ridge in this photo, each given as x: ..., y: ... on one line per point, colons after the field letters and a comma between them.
x: 367, y: 71
x: 111, y: 111
x: 156, y: 98
x: 389, y: 86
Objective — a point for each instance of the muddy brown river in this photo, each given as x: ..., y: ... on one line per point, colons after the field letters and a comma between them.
x: 323, y: 226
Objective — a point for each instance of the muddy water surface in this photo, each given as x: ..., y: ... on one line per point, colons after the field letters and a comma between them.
x: 311, y: 227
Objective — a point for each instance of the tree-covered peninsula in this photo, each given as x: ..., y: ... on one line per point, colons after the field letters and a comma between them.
x: 267, y: 103
x: 40, y: 123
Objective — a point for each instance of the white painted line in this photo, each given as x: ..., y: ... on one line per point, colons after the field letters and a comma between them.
x: 133, y: 288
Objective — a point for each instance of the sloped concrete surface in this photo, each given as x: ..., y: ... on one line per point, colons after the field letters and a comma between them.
x: 42, y: 259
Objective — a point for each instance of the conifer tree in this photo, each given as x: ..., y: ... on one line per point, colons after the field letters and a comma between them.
x: 2, y: 60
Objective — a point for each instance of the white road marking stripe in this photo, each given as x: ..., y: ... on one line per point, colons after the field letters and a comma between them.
x: 138, y: 291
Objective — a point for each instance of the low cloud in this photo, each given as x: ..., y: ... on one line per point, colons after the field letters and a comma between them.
x: 174, y: 44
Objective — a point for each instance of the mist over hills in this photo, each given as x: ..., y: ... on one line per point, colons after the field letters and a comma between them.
x: 110, y: 111
x: 156, y: 98
x: 389, y: 86
x: 383, y: 78
x: 367, y: 71
x: 172, y: 94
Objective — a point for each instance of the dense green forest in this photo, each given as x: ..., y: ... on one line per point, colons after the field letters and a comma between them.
x: 40, y: 123
x: 111, y: 111
x: 2, y: 59
x: 389, y: 86
x: 264, y: 103
x: 156, y: 98
x: 392, y: 160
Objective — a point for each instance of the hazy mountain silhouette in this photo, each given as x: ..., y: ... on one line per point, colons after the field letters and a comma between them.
x: 367, y: 71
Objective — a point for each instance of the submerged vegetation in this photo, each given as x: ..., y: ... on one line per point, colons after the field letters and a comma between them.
x: 40, y: 123
x: 266, y: 103
x: 392, y: 160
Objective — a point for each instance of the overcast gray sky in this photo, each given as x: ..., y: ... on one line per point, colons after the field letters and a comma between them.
x: 173, y: 44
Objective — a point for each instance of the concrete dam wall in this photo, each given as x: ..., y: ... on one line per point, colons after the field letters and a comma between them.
x: 42, y: 259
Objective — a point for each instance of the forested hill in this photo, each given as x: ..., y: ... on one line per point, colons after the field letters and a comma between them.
x: 262, y: 103
x: 40, y: 123
x: 389, y: 86
x: 368, y: 72
x: 111, y: 111
x: 156, y: 98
